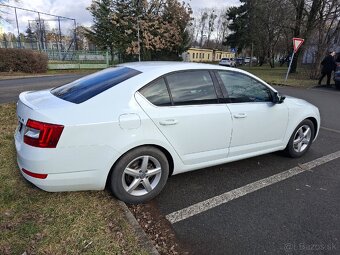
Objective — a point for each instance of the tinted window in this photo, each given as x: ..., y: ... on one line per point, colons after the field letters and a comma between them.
x: 242, y: 88
x: 94, y: 84
x: 192, y: 87
x: 157, y: 93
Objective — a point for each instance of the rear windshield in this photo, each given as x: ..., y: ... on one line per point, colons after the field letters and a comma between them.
x: 89, y: 86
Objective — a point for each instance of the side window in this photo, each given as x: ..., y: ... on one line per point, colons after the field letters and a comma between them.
x: 242, y: 88
x: 192, y: 87
x: 157, y: 93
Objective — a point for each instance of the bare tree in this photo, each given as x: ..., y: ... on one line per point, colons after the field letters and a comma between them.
x: 202, y: 24
x: 325, y: 32
x: 211, y: 24
x: 222, y: 26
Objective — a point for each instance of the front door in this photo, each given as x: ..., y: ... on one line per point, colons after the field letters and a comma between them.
x: 258, y: 123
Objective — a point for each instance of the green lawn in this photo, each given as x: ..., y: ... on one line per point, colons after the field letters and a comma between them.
x: 39, y: 222
x: 276, y: 76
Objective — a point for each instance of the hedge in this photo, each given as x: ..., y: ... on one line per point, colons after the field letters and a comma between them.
x: 23, y: 60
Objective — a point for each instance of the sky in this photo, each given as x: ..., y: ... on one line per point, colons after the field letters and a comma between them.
x: 76, y: 9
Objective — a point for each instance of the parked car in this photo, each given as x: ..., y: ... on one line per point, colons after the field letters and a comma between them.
x: 247, y: 60
x: 239, y: 61
x: 227, y: 62
x: 131, y: 127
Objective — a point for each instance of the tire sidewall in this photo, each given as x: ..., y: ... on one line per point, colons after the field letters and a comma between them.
x: 118, y: 170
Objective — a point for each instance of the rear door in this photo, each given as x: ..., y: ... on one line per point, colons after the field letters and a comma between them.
x: 186, y: 109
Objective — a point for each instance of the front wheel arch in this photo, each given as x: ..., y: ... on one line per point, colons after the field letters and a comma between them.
x: 301, y: 138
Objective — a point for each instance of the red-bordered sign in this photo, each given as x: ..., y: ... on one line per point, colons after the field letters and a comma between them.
x: 297, y: 42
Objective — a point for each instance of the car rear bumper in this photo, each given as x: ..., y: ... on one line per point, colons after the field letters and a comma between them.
x: 67, y: 169
x: 74, y: 181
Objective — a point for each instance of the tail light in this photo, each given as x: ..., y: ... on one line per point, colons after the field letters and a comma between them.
x: 35, y: 175
x: 42, y: 135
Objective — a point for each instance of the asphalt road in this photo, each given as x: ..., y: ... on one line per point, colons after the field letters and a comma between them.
x: 297, y: 215
x: 10, y: 89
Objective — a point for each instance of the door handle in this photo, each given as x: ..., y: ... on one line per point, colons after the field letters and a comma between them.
x: 240, y: 115
x: 168, y: 122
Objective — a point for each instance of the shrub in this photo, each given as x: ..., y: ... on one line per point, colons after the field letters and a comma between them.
x: 23, y: 60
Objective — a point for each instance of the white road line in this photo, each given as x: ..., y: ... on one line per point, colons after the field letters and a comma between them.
x: 330, y: 129
x: 249, y: 188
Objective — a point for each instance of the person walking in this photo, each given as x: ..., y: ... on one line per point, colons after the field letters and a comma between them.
x: 328, y: 66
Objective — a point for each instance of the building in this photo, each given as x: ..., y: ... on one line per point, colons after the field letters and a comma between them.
x: 205, y: 55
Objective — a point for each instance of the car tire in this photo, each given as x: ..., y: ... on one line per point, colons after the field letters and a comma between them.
x: 301, y: 139
x: 139, y: 175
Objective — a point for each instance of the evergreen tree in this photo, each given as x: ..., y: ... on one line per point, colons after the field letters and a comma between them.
x: 102, y: 32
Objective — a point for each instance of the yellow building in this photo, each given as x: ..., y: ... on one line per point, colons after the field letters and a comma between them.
x: 205, y: 55
x: 198, y: 55
x: 223, y: 54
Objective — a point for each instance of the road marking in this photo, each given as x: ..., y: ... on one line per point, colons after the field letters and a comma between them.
x: 249, y: 188
x: 330, y: 129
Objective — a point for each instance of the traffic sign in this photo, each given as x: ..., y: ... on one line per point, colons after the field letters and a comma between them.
x: 233, y: 50
x: 297, y: 42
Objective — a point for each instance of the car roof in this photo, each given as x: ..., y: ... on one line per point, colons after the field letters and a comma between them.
x: 167, y: 66
x: 154, y: 69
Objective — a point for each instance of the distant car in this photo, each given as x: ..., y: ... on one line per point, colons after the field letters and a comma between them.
x: 227, y: 62
x: 130, y: 127
x: 247, y: 60
x: 239, y: 61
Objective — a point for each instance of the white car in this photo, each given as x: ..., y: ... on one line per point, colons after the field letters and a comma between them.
x: 228, y: 62
x: 134, y: 125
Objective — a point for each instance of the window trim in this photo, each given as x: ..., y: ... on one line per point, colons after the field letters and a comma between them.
x: 218, y: 92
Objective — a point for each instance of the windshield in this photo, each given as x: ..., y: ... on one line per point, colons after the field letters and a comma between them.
x: 91, y: 85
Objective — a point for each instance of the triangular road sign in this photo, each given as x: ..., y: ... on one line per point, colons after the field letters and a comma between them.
x: 297, y: 42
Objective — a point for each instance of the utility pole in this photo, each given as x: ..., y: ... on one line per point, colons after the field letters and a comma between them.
x: 138, y: 28
x: 138, y: 38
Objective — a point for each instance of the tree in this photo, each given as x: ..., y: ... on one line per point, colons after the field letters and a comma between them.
x: 324, y: 33
x: 161, y: 24
x: 240, y: 25
x: 308, y: 14
x: 102, y: 32
x: 222, y: 26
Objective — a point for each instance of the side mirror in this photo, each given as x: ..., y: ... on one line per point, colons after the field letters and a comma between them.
x: 277, y: 99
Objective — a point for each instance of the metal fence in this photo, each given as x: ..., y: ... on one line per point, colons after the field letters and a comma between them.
x: 61, y: 58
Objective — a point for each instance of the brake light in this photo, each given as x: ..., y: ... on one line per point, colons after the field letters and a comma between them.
x: 42, y: 135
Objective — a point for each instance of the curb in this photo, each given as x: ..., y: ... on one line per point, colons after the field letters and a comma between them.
x: 146, y: 242
x: 27, y: 76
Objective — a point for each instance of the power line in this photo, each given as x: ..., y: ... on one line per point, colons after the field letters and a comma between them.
x: 58, y: 16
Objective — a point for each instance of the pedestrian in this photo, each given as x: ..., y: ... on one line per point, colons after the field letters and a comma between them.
x: 328, y: 66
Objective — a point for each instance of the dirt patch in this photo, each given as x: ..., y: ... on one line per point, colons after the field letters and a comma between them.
x: 158, y: 229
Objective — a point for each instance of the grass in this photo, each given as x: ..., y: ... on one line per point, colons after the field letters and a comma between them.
x: 38, y: 222
x: 276, y: 76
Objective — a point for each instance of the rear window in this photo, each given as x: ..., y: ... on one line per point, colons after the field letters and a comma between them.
x: 89, y: 86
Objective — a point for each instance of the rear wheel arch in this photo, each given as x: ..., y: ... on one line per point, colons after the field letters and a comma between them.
x: 166, y: 153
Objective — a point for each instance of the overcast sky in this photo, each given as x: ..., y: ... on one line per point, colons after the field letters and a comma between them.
x: 76, y: 9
